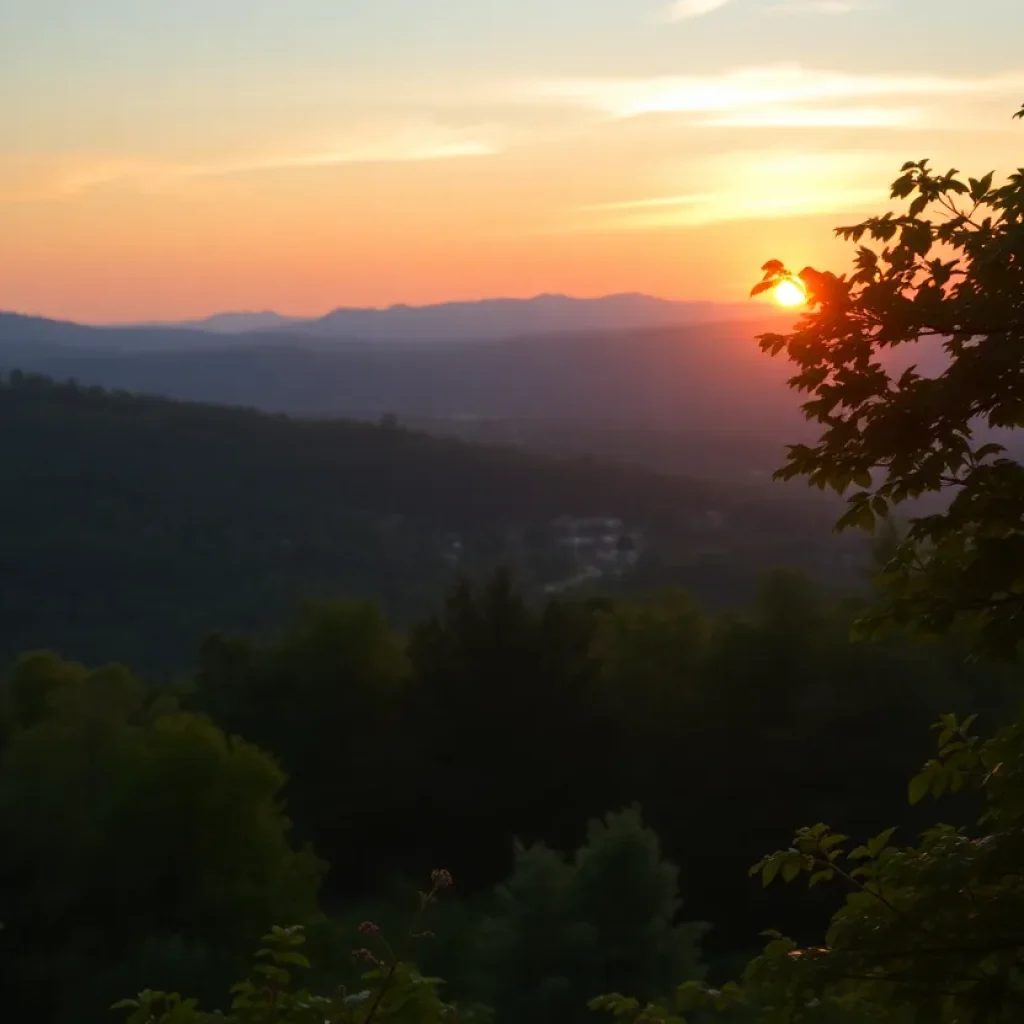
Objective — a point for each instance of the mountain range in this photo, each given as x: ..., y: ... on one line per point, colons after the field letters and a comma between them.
x: 691, y: 375
x: 488, y: 319
x: 677, y: 386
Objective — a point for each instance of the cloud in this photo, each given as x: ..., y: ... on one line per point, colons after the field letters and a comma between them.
x: 815, y: 117
x: 409, y: 151
x: 785, y: 88
x: 753, y: 185
x: 46, y: 177
x: 821, y: 7
x: 682, y: 10
x: 704, y: 208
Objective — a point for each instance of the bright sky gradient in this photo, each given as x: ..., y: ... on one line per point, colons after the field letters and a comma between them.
x: 171, y: 158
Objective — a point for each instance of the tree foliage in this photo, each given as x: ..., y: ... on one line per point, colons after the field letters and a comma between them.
x: 563, y: 928
x: 929, y: 931
x: 912, y: 364
x: 392, y: 990
x: 327, y: 696
x: 141, y: 525
x: 499, y: 716
x: 133, y: 837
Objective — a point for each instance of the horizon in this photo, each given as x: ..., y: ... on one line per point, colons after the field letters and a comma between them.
x: 170, y: 163
x: 761, y: 304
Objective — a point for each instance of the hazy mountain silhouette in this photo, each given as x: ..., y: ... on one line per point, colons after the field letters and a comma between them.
x: 704, y: 375
x: 695, y: 375
x: 231, y: 323
x: 491, y: 319
x: 487, y: 319
x: 35, y: 336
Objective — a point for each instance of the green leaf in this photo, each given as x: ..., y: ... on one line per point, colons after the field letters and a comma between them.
x: 790, y: 869
x: 919, y: 787
x: 291, y: 957
x: 880, y: 842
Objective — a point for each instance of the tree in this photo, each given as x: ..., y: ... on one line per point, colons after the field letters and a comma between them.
x: 563, y: 928
x: 133, y: 838
x: 509, y: 730
x: 328, y: 698
x: 913, y: 364
x: 630, y: 896
x: 928, y: 931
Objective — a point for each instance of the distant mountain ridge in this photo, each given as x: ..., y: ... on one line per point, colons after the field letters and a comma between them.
x: 492, y: 319
x: 230, y: 323
x: 482, y: 320
x: 700, y: 374
x: 706, y: 375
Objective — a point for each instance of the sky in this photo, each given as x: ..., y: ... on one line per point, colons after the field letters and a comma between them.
x: 165, y: 159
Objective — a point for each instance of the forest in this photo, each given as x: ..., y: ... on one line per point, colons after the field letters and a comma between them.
x: 514, y: 808
x: 143, y: 524
x: 534, y: 751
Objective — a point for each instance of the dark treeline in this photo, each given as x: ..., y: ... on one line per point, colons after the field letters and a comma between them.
x: 134, y: 526
x: 141, y: 846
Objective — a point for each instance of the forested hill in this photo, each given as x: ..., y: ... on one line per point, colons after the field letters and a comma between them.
x: 132, y: 526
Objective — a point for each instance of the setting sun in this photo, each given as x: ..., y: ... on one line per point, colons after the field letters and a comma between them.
x: 789, y: 293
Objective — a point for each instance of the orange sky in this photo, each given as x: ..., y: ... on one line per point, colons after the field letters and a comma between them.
x: 172, y: 162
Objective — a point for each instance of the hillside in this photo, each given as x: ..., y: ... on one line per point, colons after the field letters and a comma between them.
x: 703, y: 377
x: 135, y: 525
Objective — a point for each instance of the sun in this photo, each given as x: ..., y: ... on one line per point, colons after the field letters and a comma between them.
x: 789, y: 293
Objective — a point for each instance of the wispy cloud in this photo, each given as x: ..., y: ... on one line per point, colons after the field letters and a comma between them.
x: 681, y: 10
x: 684, y: 10
x: 783, y: 116
x: 36, y: 178
x: 752, y: 185
x: 408, y: 151
x: 703, y: 208
x: 744, y: 90
x: 822, y: 6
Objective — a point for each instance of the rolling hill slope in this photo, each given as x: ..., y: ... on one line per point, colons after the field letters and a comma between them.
x: 134, y: 526
x: 703, y: 376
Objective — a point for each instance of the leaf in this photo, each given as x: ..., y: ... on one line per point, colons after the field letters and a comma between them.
x: 979, y: 187
x: 790, y: 869
x: 880, y: 842
x: 917, y: 205
x: 903, y: 186
x: 291, y: 957
x: 919, y: 787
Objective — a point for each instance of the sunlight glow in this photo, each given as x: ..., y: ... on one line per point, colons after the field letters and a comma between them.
x: 789, y: 293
